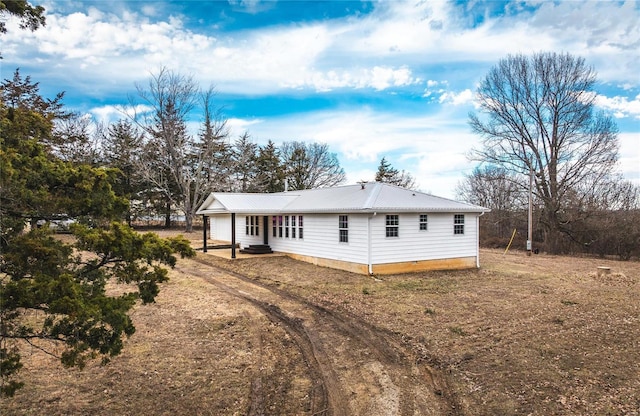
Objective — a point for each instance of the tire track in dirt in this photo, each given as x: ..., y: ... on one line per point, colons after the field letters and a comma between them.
x: 320, y: 404
x: 360, y: 368
x: 256, y: 400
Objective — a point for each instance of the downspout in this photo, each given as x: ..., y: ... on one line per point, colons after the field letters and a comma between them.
x: 369, y: 248
x: 233, y: 235
x: 478, y: 240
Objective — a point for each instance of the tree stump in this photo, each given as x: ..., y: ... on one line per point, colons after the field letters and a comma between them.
x: 604, y: 270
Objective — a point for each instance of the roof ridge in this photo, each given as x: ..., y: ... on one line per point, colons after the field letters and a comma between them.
x: 377, y: 187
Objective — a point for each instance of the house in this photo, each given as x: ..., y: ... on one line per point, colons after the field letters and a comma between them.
x: 369, y: 228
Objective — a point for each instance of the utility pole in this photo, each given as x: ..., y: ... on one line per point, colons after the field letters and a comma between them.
x: 530, y: 217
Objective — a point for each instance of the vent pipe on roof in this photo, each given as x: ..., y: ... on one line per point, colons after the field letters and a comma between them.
x: 286, y: 185
x: 362, y: 184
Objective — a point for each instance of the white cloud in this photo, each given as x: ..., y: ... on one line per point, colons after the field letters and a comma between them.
x: 463, y: 97
x: 430, y: 147
x: 238, y: 126
x: 112, y: 113
x: 379, y: 78
x: 620, y: 106
x: 379, y: 50
x: 355, y: 176
x: 398, y: 45
x: 629, y: 156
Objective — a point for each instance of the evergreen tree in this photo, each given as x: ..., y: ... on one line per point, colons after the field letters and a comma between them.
x: 388, y: 174
x: 269, y: 169
x: 122, y: 144
x: 64, y: 283
x: 245, y: 154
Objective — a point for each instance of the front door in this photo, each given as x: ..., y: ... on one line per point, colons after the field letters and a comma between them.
x: 265, y: 229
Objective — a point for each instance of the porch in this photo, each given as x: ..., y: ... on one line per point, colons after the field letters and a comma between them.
x: 224, y: 249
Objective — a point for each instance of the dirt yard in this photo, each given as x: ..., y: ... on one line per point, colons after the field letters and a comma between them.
x: 540, y: 335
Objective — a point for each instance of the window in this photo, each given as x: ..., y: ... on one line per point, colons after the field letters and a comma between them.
x: 458, y: 224
x: 343, y: 228
x: 392, y: 225
x: 274, y: 221
x: 286, y: 226
x: 424, y: 220
x: 299, y: 226
x: 280, y: 226
x: 251, y: 225
x: 293, y: 226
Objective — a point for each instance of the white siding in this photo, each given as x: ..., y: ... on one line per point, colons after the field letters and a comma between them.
x: 321, y: 239
x: 241, y: 232
x: 413, y: 244
x: 220, y: 226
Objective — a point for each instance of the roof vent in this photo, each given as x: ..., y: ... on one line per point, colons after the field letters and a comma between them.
x: 362, y: 184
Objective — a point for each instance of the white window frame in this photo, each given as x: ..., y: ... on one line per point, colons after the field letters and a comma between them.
x: 392, y: 226
x: 343, y: 228
x: 458, y: 224
x: 423, y: 222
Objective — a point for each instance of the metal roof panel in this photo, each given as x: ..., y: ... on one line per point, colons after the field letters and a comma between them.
x: 366, y: 197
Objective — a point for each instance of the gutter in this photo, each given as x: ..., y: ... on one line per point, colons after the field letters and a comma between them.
x: 478, y: 240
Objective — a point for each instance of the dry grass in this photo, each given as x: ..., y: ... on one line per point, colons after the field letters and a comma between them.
x: 523, y: 335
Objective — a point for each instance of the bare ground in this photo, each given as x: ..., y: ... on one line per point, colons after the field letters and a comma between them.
x: 540, y: 335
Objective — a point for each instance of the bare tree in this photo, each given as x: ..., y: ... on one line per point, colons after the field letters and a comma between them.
x: 177, y: 163
x: 496, y: 188
x: 493, y: 187
x: 539, y: 116
x: 311, y: 165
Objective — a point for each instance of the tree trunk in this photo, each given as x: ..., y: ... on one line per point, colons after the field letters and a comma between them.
x: 167, y: 215
x: 189, y: 213
x: 553, y: 235
x: 188, y: 220
x: 129, y: 215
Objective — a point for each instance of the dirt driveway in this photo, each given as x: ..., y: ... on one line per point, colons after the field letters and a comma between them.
x: 353, y: 367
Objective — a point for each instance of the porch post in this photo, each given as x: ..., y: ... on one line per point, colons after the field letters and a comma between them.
x: 204, y: 232
x: 233, y: 235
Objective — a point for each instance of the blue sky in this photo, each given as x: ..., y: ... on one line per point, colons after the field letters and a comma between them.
x: 370, y: 79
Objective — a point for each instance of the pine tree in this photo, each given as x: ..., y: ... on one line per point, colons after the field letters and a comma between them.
x: 387, y: 174
x: 245, y: 154
x: 46, y: 276
x: 122, y: 144
x: 269, y: 169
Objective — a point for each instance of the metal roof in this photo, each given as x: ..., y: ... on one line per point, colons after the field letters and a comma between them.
x: 367, y: 197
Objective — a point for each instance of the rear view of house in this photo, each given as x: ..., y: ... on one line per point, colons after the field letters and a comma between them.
x: 370, y: 228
